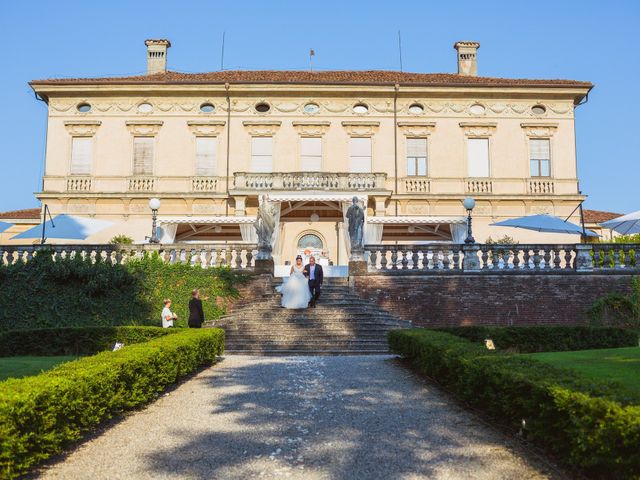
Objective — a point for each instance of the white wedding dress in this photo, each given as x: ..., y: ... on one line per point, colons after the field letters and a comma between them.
x: 295, y: 289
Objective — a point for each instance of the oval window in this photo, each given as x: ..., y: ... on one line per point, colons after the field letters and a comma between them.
x: 145, y: 108
x: 538, y: 109
x: 310, y: 241
x: 84, y: 107
x: 360, y: 108
x: 311, y: 108
x: 262, y: 107
x: 477, y: 109
x: 207, y: 108
x: 416, y: 108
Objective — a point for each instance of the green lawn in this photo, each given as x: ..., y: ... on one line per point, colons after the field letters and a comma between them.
x: 621, y: 365
x: 18, y: 367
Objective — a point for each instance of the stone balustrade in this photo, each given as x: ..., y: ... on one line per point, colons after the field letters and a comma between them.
x: 423, y: 258
x: 532, y: 258
x: 236, y: 256
x: 309, y: 181
x: 396, y: 259
x: 204, y: 184
x: 79, y: 184
x: 142, y: 184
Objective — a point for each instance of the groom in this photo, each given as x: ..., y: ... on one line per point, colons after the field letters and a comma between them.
x: 313, y: 272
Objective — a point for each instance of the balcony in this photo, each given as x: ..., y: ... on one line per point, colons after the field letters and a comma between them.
x: 365, y: 182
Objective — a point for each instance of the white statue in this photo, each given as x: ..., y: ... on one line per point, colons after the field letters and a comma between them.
x: 265, y: 225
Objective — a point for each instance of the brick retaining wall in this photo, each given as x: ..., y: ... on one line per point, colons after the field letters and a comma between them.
x: 451, y: 300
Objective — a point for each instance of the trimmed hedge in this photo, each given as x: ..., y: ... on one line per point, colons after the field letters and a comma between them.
x: 41, y: 415
x: 548, y: 339
x: 74, y: 292
x: 586, y: 424
x: 74, y: 340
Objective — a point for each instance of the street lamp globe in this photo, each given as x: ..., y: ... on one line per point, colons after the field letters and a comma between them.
x: 469, y: 203
x: 154, y: 204
x: 314, y: 217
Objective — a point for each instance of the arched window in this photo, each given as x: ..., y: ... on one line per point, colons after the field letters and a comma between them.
x: 310, y: 240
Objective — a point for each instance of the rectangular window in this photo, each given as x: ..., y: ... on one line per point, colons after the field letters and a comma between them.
x: 310, y: 154
x: 206, y: 156
x: 416, y: 156
x: 81, y: 155
x: 143, y: 155
x: 478, y: 157
x: 261, y: 154
x: 539, y: 156
x: 360, y: 155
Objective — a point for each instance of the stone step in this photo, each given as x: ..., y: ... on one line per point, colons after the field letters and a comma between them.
x: 342, y: 324
x: 310, y: 328
x: 330, y: 336
x: 309, y: 352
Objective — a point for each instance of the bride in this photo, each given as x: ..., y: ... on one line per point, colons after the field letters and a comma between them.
x: 295, y: 290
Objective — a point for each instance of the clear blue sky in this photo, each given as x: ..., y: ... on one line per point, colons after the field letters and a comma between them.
x: 581, y: 40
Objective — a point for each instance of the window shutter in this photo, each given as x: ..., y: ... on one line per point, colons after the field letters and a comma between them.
x: 416, y: 147
x: 310, y: 154
x: 539, y: 148
x: 143, y: 155
x: 261, y: 154
x: 478, y: 157
x: 206, y: 156
x: 81, y: 155
x: 361, y: 155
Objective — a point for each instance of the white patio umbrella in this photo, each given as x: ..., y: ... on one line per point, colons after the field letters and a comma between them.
x: 4, y: 226
x: 545, y: 223
x: 68, y: 227
x: 626, y: 225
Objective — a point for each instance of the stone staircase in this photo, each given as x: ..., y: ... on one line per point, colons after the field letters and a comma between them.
x: 342, y: 324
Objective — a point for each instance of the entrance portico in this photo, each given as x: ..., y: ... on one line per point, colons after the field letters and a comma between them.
x: 311, y: 220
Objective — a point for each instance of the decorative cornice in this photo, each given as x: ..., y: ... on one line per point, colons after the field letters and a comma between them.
x: 416, y: 129
x: 478, y: 129
x: 539, y: 129
x: 361, y: 128
x: 82, y: 128
x: 311, y: 128
x: 206, y: 128
x: 262, y: 128
x: 144, y: 127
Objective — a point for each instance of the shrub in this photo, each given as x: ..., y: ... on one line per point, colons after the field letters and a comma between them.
x: 618, y: 309
x: 504, y: 240
x: 121, y: 240
x: 548, y: 339
x: 41, y: 415
x: 44, y: 293
x: 74, y: 340
x: 586, y: 424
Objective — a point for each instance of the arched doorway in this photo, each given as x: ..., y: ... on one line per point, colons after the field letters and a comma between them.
x: 311, y: 243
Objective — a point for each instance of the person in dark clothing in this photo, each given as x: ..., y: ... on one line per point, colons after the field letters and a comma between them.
x: 315, y: 276
x: 196, y: 314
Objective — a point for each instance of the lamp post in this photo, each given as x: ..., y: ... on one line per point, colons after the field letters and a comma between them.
x: 154, y: 205
x: 468, y: 204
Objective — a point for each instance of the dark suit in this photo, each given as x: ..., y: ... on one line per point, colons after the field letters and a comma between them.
x: 196, y: 314
x: 315, y: 284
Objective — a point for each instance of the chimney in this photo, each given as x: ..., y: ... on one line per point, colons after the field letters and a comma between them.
x: 467, y: 58
x: 157, y: 55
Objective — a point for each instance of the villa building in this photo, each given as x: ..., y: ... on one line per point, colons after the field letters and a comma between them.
x: 410, y: 146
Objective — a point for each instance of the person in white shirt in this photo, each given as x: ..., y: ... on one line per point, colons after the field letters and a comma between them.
x: 167, y: 315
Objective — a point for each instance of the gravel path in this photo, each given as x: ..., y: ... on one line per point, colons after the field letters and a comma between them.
x: 302, y: 418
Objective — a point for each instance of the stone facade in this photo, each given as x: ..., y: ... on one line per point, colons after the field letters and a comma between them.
x: 243, y: 118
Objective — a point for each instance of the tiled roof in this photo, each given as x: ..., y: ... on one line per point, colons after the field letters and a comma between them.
x: 27, y: 214
x: 598, y: 216
x: 335, y: 77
